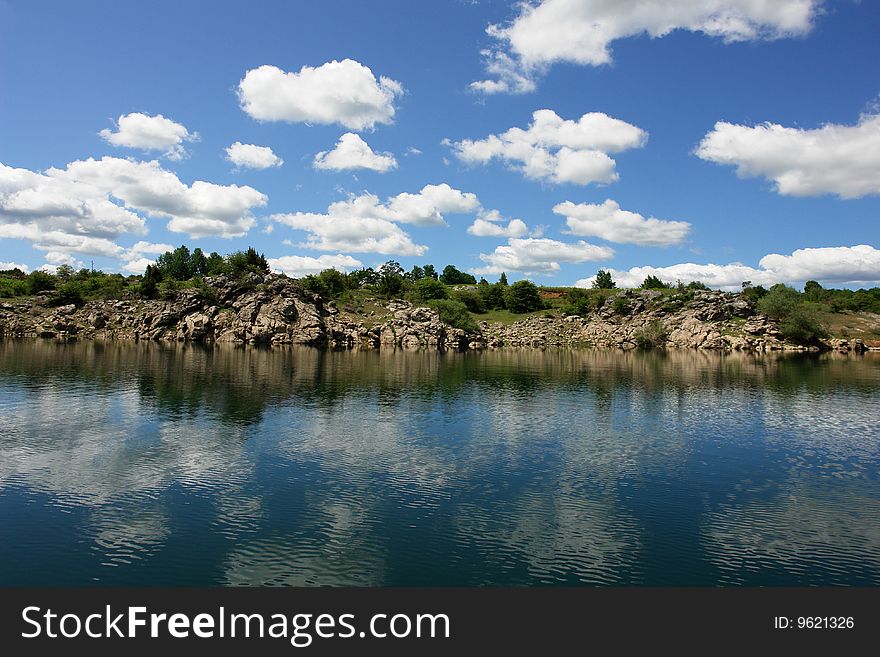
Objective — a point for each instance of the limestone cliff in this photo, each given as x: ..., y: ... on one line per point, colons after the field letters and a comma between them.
x: 277, y: 310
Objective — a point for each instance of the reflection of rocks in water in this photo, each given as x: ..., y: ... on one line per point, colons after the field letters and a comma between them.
x: 819, y: 535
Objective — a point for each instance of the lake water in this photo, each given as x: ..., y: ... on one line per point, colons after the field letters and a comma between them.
x: 143, y: 464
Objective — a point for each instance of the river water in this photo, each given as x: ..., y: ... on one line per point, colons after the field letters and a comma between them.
x: 147, y: 464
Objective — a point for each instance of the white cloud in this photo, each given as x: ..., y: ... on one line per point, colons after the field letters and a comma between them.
x: 150, y: 133
x: 412, y: 150
x: 134, y: 260
x: 352, y: 152
x: 200, y: 210
x: 558, y: 150
x: 581, y: 31
x: 299, y: 266
x: 833, y: 159
x: 363, y: 224
x: 608, y: 222
x: 831, y: 265
x: 149, y: 248
x: 539, y: 255
x: 490, y: 224
x: 250, y: 156
x: 138, y: 265
x: 14, y: 265
x: 85, y: 207
x: 343, y: 92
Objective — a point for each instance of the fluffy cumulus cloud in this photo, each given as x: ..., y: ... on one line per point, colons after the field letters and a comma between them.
x: 581, y: 31
x: 202, y: 209
x: 352, y: 152
x: 343, y: 92
x: 5, y: 265
x: 539, y: 256
x: 557, y: 150
x: 134, y: 258
x: 364, y: 224
x: 249, y: 156
x: 150, y: 133
x: 833, y: 159
x: 609, y: 222
x: 85, y: 207
x: 298, y: 266
x: 832, y: 265
x: 491, y: 224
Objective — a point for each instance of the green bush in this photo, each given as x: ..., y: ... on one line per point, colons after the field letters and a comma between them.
x: 492, y: 295
x: 620, y: 306
x: 39, y: 281
x: 471, y: 299
x: 779, y: 302
x: 802, y: 325
x: 455, y: 314
x: 427, y: 289
x: 69, y: 293
x: 652, y: 336
x: 523, y: 297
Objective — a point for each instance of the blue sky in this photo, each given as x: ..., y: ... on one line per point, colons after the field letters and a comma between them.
x: 679, y: 97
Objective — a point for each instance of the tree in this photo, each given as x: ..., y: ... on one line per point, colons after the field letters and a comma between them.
x: 197, y: 263
x: 176, y: 264
x: 452, y: 276
x: 523, y: 297
x: 416, y: 273
x: 654, y: 283
x: 503, y: 279
x: 242, y: 262
x: 430, y: 272
x: 64, y: 272
x: 150, y: 284
x: 604, y: 281
x: 215, y: 264
x: 391, y: 279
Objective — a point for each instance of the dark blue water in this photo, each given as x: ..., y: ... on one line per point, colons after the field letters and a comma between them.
x: 179, y: 465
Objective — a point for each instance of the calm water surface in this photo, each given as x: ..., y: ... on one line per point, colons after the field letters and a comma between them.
x: 180, y: 465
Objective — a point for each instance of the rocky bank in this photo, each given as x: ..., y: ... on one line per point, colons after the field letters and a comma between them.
x: 276, y: 310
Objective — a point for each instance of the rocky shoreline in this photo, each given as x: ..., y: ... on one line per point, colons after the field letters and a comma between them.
x: 276, y: 310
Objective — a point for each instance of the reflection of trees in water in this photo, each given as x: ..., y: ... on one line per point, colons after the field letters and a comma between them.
x: 522, y: 453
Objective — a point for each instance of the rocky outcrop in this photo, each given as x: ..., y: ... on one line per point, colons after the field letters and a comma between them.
x: 276, y: 310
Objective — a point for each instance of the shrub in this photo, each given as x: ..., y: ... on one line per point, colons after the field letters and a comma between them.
x: 492, y: 295
x: 652, y: 336
x: 455, y: 314
x: 39, y: 281
x: 802, y: 325
x: 779, y: 302
x: 472, y: 300
x: 70, y: 292
x: 427, y: 289
x: 620, y: 306
x: 330, y: 283
x: 523, y: 297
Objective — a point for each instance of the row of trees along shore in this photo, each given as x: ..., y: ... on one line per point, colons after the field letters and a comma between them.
x: 458, y: 296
